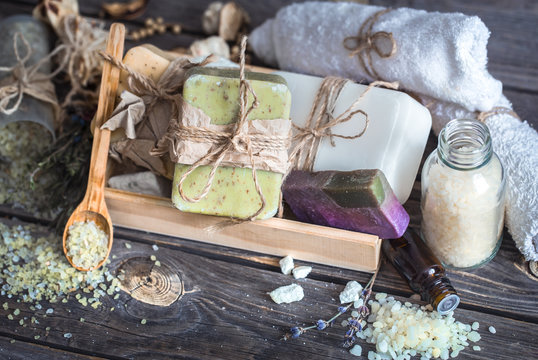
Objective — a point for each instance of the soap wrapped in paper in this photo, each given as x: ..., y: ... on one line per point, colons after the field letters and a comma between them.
x: 211, y: 101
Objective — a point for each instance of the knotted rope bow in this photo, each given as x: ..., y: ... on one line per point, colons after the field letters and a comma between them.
x: 365, y: 42
x: 166, y: 89
x: 238, y: 140
x: 27, y: 80
x: 321, y: 120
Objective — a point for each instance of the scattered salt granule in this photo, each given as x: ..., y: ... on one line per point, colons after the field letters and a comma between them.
x: 127, y: 245
x: 356, y: 350
x: 475, y: 326
x: 300, y: 272
x: 87, y: 244
x: 492, y: 330
x: 287, y: 294
x: 68, y: 335
x: 143, y: 321
x: 476, y: 348
x: 155, y: 247
x: 286, y: 265
x: 351, y: 292
x: 402, y: 331
x: 42, y: 271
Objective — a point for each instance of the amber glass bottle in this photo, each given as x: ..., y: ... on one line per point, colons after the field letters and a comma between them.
x: 422, y: 270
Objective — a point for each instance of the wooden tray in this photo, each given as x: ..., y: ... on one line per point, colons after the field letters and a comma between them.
x: 324, y: 245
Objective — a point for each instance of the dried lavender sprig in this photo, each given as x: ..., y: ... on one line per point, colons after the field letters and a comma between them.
x: 296, y: 331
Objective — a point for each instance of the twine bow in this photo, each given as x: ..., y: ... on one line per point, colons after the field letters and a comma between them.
x: 237, y: 141
x: 366, y: 41
x: 166, y: 89
x: 27, y: 80
x: 320, y: 121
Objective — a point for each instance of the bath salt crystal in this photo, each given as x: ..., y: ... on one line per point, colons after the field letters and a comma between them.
x: 356, y: 350
x: 400, y: 332
x: 155, y: 247
x: 351, y: 292
x: 461, y: 225
x: 492, y: 330
x: 286, y: 265
x: 475, y: 326
x: 287, y: 294
x: 68, y: 335
x: 87, y: 244
x: 300, y: 272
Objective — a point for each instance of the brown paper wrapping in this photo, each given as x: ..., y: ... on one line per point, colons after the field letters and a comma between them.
x: 269, y: 140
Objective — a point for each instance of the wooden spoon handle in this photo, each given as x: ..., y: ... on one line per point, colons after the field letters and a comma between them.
x: 101, y: 138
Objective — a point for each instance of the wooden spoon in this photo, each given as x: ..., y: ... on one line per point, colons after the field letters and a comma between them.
x: 93, y: 206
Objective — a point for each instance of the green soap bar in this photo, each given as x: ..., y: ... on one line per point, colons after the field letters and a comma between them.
x: 216, y: 92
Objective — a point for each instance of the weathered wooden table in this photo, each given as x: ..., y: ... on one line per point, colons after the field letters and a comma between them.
x: 225, y: 311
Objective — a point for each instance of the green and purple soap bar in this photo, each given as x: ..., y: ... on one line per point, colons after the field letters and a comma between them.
x: 360, y: 200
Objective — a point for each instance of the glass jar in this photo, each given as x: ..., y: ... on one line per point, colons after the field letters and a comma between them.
x: 463, y: 192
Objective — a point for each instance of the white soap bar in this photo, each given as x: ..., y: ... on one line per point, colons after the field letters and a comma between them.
x: 394, y: 141
x: 286, y: 265
x: 287, y: 294
x: 300, y: 272
x: 351, y: 292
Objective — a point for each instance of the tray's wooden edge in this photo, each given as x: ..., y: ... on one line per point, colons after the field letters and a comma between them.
x: 280, y: 237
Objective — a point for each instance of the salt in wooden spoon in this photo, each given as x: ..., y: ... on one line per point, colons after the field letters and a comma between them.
x: 93, y: 206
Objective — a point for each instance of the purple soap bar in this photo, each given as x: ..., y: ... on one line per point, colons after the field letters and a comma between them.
x: 360, y: 200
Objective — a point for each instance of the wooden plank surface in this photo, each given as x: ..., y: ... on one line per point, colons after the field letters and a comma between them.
x: 225, y: 312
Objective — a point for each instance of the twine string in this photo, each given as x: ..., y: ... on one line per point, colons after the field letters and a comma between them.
x: 239, y: 141
x: 321, y: 120
x: 367, y: 41
x: 24, y: 79
x: 484, y: 115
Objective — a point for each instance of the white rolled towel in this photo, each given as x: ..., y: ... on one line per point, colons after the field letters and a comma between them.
x: 440, y: 55
x: 516, y: 143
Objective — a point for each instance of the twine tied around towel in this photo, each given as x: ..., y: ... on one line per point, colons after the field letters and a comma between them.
x: 367, y: 41
x: 484, y: 115
x: 27, y: 80
x: 321, y: 120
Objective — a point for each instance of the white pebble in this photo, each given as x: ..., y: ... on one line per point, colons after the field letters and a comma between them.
x: 492, y: 330
x: 351, y: 292
x: 356, y: 350
x: 300, y: 272
x: 287, y: 294
x: 286, y: 265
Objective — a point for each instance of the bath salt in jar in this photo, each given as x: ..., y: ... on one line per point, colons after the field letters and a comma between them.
x: 463, y: 192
